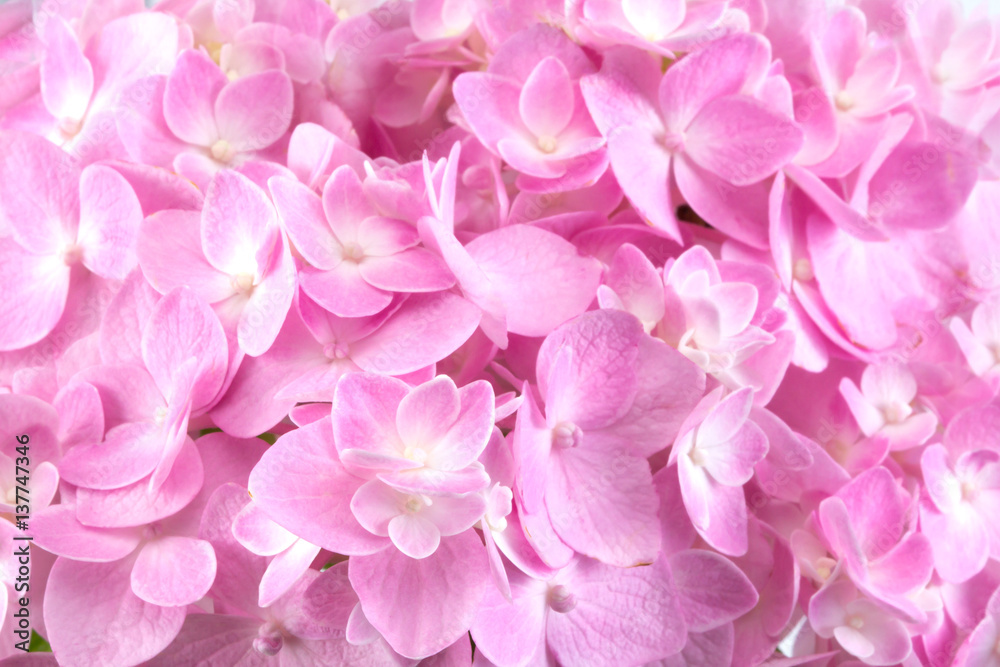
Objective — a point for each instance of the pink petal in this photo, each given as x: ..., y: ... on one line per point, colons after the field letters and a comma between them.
x: 57, y: 530
x: 608, y: 517
x: 346, y: 204
x: 426, y: 329
x: 170, y: 254
x: 35, y: 290
x: 67, y: 78
x: 642, y: 167
x: 728, y: 138
x: 135, y: 504
x: 129, y: 453
x: 39, y: 192
x: 300, y: 484
x: 712, y: 590
x: 723, y: 68
x: 255, y: 111
x: 85, y: 600
x: 268, y: 305
x: 412, y: 270
x: 344, y: 291
x: 125, y: 319
x: 238, y: 219
x: 607, y: 626
x: 285, y: 570
x: 527, y: 265
x: 254, y: 530
x: 210, y: 637
x: 427, y: 412
x: 189, y: 98
x: 958, y: 539
x: 656, y: 19
x: 598, y: 344
x: 414, y: 535
x: 490, y: 103
x: 546, y: 99
x: 302, y: 216
x: 495, y: 622
x: 442, y: 593
x: 180, y: 327
x: 173, y: 571
x: 365, y: 406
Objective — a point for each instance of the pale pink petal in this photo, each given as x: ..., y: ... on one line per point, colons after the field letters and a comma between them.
x: 365, y: 406
x: 95, y: 600
x: 67, y: 78
x: 212, y: 637
x: 180, y: 327
x: 958, y: 540
x: 375, y: 504
x: 268, y: 305
x: 546, y: 99
x: 541, y: 278
x: 412, y: 270
x: 442, y: 593
x: 238, y: 219
x: 608, y: 517
x: 346, y: 204
x: 189, y: 98
x: 285, y: 569
x: 129, y: 453
x: 302, y: 216
x: 414, y: 535
x: 344, y: 291
x: 598, y: 344
x: 57, y: 530
x: 427, y: 412
x: 510, y: 632
x: 170, y: 254
x: 642, y: 166
x: 255, y: 111
x: 713, y: 591
x: 300, y: 484
x: 728, y: 135
x: 136, y: 504
x: 172, y: 571
x: 35, y: 290
x: 426, y: 329
x: 722, y: 68
x: 259, y: 534
x: 631, y: 616
x: 39, y: 192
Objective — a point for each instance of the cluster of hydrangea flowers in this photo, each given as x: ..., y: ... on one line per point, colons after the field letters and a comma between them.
x: 522, y: 333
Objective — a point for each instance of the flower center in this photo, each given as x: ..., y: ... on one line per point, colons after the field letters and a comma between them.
x: 159, y: 415
x: 856, y: 622
x: 560, y: 599
x: 674, y: 141
x: 336, y: 350
x: 243, y: 282
x: 414, y: 504
x: 824, y: 567
x: 222, y: 151
x: 69, y: 127
x: 547, y: 144
x: 269, y: 640
x: 416, y: 454
x: 354, y: 252
x: 803, y: 271
x: 844, y: 100
x: 566, y: 434
x: 71, y: 254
